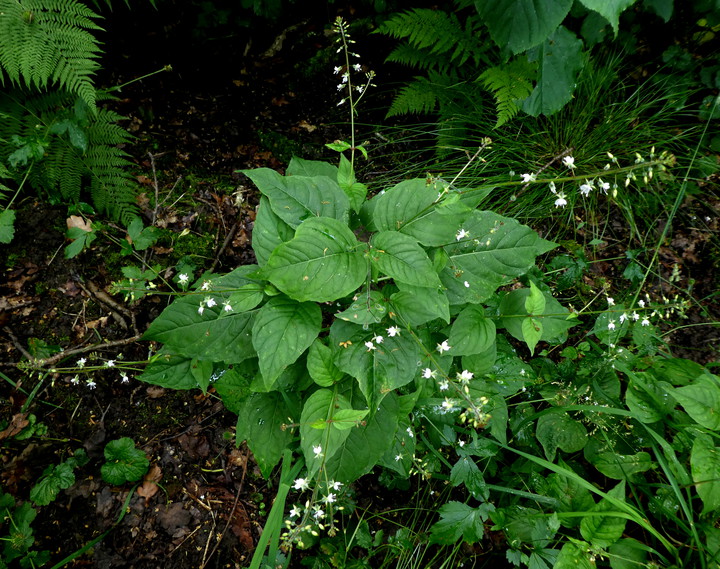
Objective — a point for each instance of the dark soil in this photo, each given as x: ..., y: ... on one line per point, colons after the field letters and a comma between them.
x: 230, y: 103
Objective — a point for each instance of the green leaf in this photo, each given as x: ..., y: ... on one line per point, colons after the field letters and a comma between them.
x: 366, y: 444
x: 54, y: 479
x: 472, y: 332
x: 647, y: 398
x: 80, y: 240
x: 7, y: 225
x: 321, y: 366
x: 141, y: 238
x: 466, y: 471
x: 460, y: 520
x: 513, y: 310
x: 355, y: 191
x: 399, y: 256
x: 572, y: 556
x: 311, y: 168
x: 535, y: 301
x: 201, y: 370
x: 609, y: 9
x: 497, y: 250
x: 705, y: 467
x: 368, y: 308
x: 243, y: 299
x: 701, y: 400
x: 298, y: 198
x: 261, y: 423
x: 627, y: 553
x: 125, y: 463
x: 283, y: 329
x: 417, y: 305
x: 559, y: 60
x: 518, y: 25
x: 320, y: 263
x: 390, y: 365
x: 559, y: 431
x: 268, y: 232
x: 604, y: 527
x: 622, y: 466
x: 321, y: 407
x: 570, y: 496
x: 171, y: 371
x: 348, y: 418
x: 532, y: 331
x: 233, y: 384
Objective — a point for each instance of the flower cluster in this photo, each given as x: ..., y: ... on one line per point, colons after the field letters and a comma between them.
x: 354, y: 92
x: 316, y: 513
x: 82, y: 366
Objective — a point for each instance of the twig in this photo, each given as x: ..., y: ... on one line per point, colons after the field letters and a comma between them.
x: 62, y: 355
x: 16, y: 343
x: 228, y: 238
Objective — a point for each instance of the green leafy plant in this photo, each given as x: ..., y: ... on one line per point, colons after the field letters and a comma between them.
x: 17, y: 520
x: 57, y: 477
x: 124, y: 463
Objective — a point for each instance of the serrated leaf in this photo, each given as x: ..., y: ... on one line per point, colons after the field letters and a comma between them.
x: 518, y: 25
x: 605, y: 527
x: 298, y: 198
x: 705, y: 468
x: 125, y: 463
x: 268, y: 232
x: 559, y: 60
x: 701, y: 400
x: 321, y: 366
x: 233, y: 384
x: 55, y: 478
x: 7, y: 225
x: 471, y: 332
x: 609, y: 9
x: 458, y: 520
x: 559, y: 431
x: 399, y: 256
x: 497, y: 250
x: 283, y: 329
x: 466, y: 471
x: 321, y: 263
x: 261, y: 423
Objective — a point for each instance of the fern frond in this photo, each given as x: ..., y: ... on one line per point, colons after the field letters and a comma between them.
x: 509, y: 84
x: 49, y: 42
x: 417, y: 97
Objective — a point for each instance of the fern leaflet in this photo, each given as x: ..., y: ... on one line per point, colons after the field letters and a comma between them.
x: 510, y: 84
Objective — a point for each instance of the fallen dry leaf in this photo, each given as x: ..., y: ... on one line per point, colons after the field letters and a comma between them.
x: 17, y: 424
x: 149, y: 487
x: 79, y: 222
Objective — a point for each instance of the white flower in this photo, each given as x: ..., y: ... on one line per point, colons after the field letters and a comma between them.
x: 357, y: 67
x: 610, y: 301
x: 462, y: 234
x: 444, y: 384
x: 330, y: 498
x: 448, y: 405
x: 465, y: 376
x: 522, y: 371
x: 569, y: 161
x: 91, y: 384
x: 337, y: 70
x: 378, y: 339
x: 611, y: 325
x: 551, y: 185
x: 124, y: 377
x: 398, y: 457
x: 183, y: 278
x: 110, y: 363
x: 444, y: 347
x: 210, y: 302
x: 370, y: 346
x: 319, y: 513
x: 75, y: 380
x: 340, y: 86
x: 301, y: 484
x: 467, y: 284
x: 527, y: 178
x: 410, y: 433
x: 81, y: 362
x: 641, y: 303
x: 428, y: 373
x: 461, y: 444
x: 393, y: 331
x: 635, y: 316
x: 201, y: 309
x: 604, y: 186
x: 295, y: 511
x: 335, y: 485
x: 227, y: 307
x: 205, y: 286
x: 645, y: 322
x: 560, y: 201
x: 585, y: 189
x: 623, y: 317
x: 318, y: 451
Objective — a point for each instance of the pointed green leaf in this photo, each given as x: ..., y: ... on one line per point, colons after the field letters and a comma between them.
x: 402, y: 203
x: 348, y: 418
x: 368, y: 308
x: 7, y: 225
x: 518, y: 25
x: 559, y: 431
x: 622, y: 466
x: 572, y: 556
x: 283, y: 329
x: 609, y: 9
x: 532, y: 331
x: 262, y: 423
x: 559, y: 60
x: 320, y: 263
x: 321, y: 366
x: 496, y: 250
x: 268, y: 232
x: 311, y: 168
x: 648, y: 400
x: 701, y: 400
x: 513, y: 309
x: 472, y: 332
x: 466, y: 471
x: 297, y: 198
x: 169, y: 371
x: 535, y: 301
x: 705, y: 466
x: 321, y: 407
x: 354, y: 190
x: 201, y: 370
x: 606, y: 524
x: 417, y: 305
x: 400, y: 257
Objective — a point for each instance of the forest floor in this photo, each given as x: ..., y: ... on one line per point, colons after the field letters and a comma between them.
x: 192, y: 137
